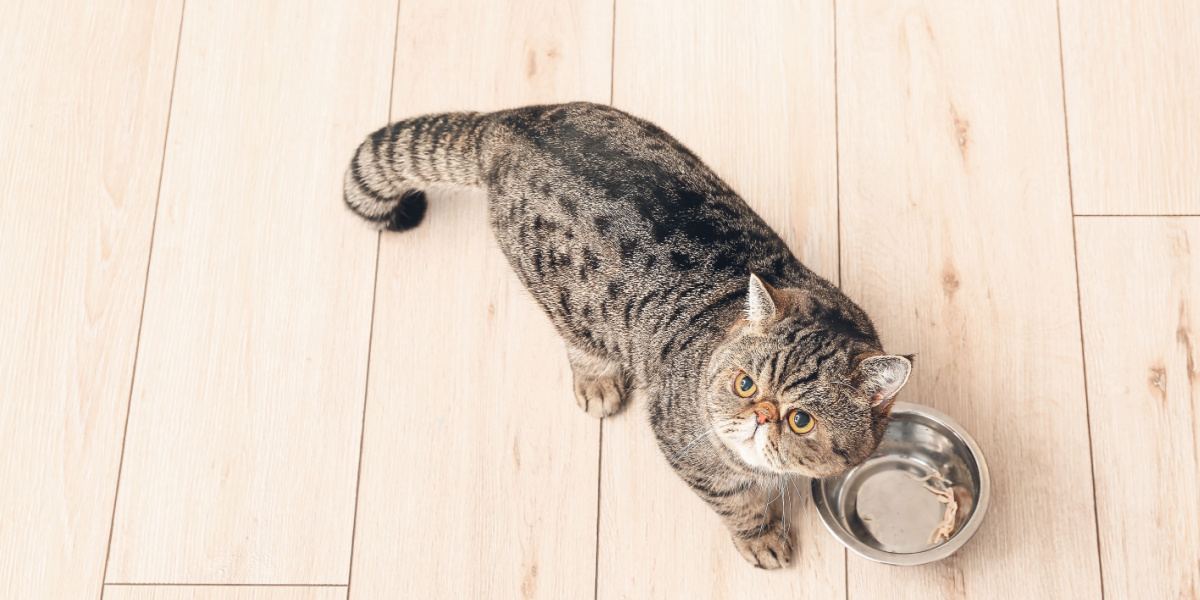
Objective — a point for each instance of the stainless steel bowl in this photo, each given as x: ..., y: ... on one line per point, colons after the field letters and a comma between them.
x: 883, y: 511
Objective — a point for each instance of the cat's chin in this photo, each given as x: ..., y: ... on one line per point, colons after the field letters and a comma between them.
x: 749, y: 455
x: 747, y: 441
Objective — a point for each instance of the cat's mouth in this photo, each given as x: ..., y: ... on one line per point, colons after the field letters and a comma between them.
x: 747, y: 438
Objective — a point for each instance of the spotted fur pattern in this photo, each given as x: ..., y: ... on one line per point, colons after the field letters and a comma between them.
x: 642, y: 258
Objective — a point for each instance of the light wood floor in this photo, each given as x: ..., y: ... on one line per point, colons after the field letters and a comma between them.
x: 216, y: 383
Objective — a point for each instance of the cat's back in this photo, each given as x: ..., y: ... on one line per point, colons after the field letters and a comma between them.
x: 615, y: 227
x: 625, y: 184
x: 611, y: 155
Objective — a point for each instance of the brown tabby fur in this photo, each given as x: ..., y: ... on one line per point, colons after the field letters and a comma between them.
x: 660, y: 278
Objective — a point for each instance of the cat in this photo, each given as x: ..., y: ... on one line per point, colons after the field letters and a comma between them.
x: 660, y: 278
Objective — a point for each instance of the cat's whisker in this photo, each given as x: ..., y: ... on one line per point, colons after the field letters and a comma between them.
x: 680, y: 454
x: 783, y: 499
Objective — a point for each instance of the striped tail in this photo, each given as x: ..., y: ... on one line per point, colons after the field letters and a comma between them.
x: 391, y: 169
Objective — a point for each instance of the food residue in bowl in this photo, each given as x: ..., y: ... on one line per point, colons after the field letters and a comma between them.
x: 943, y: 490
x: 909, y: 508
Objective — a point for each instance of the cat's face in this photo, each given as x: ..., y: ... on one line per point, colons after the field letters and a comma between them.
x: 800, y: 388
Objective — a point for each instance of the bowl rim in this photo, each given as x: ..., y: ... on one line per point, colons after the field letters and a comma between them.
x: 940, y: 551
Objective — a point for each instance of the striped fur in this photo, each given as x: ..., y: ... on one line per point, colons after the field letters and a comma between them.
x: 642, y: 258
x: 389, y: 172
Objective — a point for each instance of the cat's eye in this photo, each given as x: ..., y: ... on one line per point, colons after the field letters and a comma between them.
x: 800, y: 421
x: 743, y: 386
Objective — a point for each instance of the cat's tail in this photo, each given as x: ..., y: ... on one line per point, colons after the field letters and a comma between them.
x: 386, y: 181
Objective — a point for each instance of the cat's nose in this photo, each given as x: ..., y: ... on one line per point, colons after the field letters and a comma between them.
x: 766, y: 412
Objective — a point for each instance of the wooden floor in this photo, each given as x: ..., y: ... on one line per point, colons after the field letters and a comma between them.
x: 217, y: 384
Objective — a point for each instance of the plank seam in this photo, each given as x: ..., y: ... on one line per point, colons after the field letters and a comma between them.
x: 1136, y: 216
x: 837, y: 171
x: 362, y: 430
x: 612, y: 86
x: 837, y: 146
x: 137, y: 345
x: 1062, y: 78
x: 262, y: 585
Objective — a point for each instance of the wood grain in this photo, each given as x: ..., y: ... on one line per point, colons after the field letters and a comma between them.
x: 216, y: 592
x: 751, y: 91
x: 479, y: 471
x: 957, y: 240
x: 82, y: 120
x: 1139, y: 280
x: 479, y: 474
x: 1131, y: 71
x: 243, y: 437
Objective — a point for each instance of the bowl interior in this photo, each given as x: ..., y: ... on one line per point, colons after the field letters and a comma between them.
x: 883, y: 509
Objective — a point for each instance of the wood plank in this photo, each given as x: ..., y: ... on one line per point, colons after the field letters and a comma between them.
x: 243, y: 439
x: 219, y: 592
x: 479, y: 471
x: 82, y: 120
x: 751, y: 92
x: 1131, y: 71
x: 957, y: 240
x: 1137, y: 279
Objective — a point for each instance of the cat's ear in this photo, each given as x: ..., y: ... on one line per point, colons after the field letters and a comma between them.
x: 881, y: 377
x: 762, y: 301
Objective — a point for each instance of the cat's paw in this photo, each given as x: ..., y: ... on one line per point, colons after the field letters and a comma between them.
x: 599, y: 396
x: 771, y: 550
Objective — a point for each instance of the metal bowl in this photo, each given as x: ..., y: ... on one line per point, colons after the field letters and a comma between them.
x: 884, y: 511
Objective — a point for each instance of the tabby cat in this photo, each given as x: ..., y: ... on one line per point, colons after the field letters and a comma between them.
x: 660, y: 278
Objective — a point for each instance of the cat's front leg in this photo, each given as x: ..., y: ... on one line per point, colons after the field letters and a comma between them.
x: 758, y: 531
x: 600, y: 383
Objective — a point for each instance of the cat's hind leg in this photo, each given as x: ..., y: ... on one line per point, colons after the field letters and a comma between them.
x: 601, y: 385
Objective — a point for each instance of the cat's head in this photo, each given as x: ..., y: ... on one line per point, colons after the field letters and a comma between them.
x: 800, y: 385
